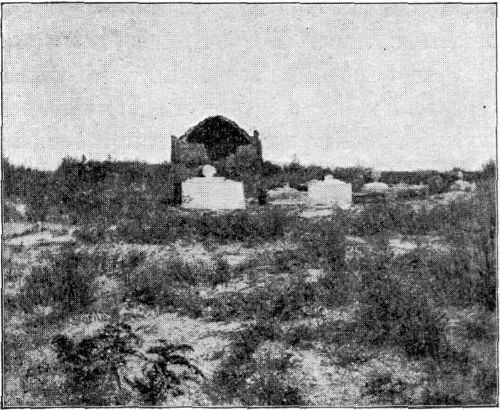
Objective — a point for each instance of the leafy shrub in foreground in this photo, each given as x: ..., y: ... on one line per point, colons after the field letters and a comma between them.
x: 159, y: 381
x: 96, y: 368
x: 453, y: 379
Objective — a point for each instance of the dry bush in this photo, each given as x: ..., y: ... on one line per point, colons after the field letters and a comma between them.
x: 63, y: 282
x: 167, y: 286
x: 324, y: 241
x: 257, y: 371
x: 394, y: 314
x: 275, y: 300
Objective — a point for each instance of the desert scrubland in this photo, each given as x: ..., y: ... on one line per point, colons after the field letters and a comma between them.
x: 132, y: 301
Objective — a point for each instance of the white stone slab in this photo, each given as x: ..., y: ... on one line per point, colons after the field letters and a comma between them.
x: 375, y: 187
x: 330, y: 192
x: 212, y: 193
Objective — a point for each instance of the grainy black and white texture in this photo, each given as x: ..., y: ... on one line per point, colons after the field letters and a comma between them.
x: 249, y: 205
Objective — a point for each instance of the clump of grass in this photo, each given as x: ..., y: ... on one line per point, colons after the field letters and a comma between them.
x: 11, y: 214
x: 63, y: 282
x: 167, y: 286
x: 289, y: 261
x: 336, y: 288
x: 90, y: 233
x: 253, y: 375
x: 283, y: 301
x: 300, y: 335
x: 454, y: 277
x: 325, y: 241
x: 384, y: 388
x: 230, y: 377
x: 452, y: 383
x: 349, y: 354
x: 219, y: 272
x: 273, y: 381
x: 391, y: 314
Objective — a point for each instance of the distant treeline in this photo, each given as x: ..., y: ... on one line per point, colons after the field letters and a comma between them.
x: 81, y: 190
x: 432, y: 178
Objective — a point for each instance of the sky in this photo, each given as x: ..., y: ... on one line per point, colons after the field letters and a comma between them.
x: 389, y: 86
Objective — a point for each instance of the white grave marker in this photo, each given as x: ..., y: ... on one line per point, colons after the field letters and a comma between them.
x: 330, y: 192
x: 215, y: 193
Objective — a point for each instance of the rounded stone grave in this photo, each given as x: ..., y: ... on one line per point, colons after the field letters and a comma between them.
x: 208, y: 171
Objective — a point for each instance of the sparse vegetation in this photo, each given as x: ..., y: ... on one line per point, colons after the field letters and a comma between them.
x: 97, y: 369
x: 63, y: 283
x: 166, y: 225
x: 253, y: 293
x: 257, y: 372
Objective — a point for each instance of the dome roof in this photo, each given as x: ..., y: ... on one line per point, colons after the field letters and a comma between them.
x: 219, y: 135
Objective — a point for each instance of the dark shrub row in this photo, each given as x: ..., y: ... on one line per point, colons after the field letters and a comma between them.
x: 169, y: 225
x: 84, y: 190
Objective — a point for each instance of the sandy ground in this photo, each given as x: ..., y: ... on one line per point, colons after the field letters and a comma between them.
x: 30, y: 234
x: 17, y: 228
x: 400, y: 245
x: 327, y: 384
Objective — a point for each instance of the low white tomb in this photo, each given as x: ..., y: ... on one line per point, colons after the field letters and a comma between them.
x: 375, y: 187
x: 330, y: 192
x: 209, y: 192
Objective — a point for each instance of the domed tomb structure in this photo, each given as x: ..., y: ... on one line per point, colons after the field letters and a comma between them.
x: 210, y: 192
x: 217, y: 139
